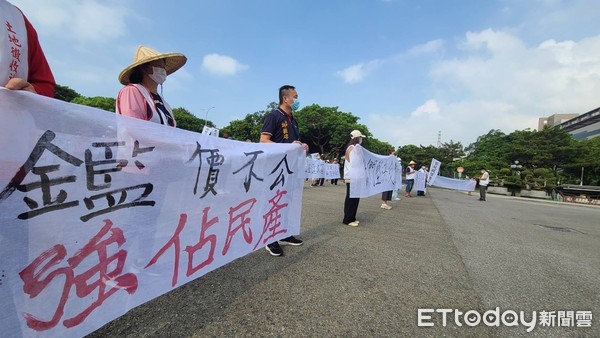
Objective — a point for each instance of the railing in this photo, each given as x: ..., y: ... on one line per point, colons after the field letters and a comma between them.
x: 580, y: 199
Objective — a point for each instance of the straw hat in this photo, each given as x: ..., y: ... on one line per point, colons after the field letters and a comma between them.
x: 143, y: 54
x: 412, y: 162
x: 356, y: 133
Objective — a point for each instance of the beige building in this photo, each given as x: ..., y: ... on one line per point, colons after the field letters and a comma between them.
x: 554, y: 120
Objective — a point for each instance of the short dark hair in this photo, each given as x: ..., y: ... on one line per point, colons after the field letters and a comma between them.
x: 136, y: 75
x: 283, y: 91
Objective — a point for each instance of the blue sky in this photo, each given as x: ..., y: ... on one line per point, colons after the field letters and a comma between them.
x: 408, y: 69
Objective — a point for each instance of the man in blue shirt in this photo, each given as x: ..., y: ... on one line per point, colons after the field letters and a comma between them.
x: 280, y: 126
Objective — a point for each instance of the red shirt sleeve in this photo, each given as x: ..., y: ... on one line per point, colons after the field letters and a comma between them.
x: 39, y: 74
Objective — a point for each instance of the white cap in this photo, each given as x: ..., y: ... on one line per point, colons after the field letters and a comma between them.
x: 356, y: 133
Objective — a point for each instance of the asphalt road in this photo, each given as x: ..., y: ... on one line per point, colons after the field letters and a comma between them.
x: 443, y: 251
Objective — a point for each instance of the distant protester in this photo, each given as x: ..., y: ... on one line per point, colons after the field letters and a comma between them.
x: 140, y: 98
x: 484, y: 180
x: 410, y: 177
x: 387, y: 195
x: 350, y: 203
x: 422, y: 176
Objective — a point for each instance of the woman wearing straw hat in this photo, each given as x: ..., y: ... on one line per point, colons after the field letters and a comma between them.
x: 140, y: 98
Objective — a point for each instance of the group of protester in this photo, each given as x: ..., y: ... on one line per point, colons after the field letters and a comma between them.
x: 23, y: 66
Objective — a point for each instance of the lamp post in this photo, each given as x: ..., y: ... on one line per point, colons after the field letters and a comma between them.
x: 206, y: 118
x: 460, y: 170
x: 516, y: 167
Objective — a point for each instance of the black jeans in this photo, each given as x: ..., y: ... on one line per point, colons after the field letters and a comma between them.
x: 350, y: 207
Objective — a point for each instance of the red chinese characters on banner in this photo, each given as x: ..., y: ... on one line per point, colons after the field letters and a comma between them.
x: 15, y: 50
x: 272, y: 219
x: 38, y: 275
x: 238, y: 220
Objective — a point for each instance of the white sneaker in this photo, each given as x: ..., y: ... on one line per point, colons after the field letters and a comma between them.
x: 397, y: 199
x: 353, y: 224
x: 386, y: 207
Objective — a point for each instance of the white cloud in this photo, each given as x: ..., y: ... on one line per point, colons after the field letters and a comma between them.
x: 544, y: 79
x: 499, y: 82
x: 458, y: 121
x: 352, y: 74
x: 429, y: 47
x: 358, y: 72
x: 222, y: 65
x: 83, y: 21
x: 429, y: 108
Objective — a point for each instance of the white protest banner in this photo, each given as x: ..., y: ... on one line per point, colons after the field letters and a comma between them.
x: 100, y: 213
x: 332, y: 171
x: 420, y: 180
x: 206, y: 130
x: 452, y: 183
x: 319, y: 169
x: 314, y: 169
x: 434, y: 169
x: 371, y: 173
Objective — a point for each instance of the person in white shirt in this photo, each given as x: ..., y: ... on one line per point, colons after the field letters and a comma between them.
x: 484, y: 180
x: 410, y: 177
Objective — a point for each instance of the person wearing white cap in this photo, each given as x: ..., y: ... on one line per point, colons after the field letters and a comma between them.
x: 351, y: 204
x: 140, y: 98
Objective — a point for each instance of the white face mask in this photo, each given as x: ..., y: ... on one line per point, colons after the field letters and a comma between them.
x: 360, y: 140
x: 159, y: 75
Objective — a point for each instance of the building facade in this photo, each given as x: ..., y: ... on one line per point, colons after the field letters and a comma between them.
x: 584, y: 126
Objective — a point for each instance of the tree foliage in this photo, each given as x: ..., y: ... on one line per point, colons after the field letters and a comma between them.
x: 188, y: 121
x: 65, y: 93
x: 250, y: 126
x: 540, y: 159
x: 326, y: 130
x: 105, y: 103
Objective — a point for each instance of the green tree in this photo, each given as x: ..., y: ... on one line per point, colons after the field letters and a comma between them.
x: 449, y: 151
x: 105, y: 103
x: 250, y: 126
x: 65, y: 93
x: 326, y: 130
x: 376, y: 146
x: 188, y: 121
x: 421, y: 154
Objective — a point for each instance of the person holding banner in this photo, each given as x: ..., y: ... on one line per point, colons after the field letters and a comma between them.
x: 334, y: 181
x: 351, y: 204
x: 140, y: 98
x: 280, y: 126
x: 421, y: 180
x: 410, y: 177
x: 484, y: 180
x: 23, y: 65
x: 387, y: 195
